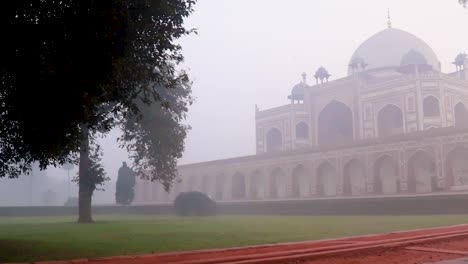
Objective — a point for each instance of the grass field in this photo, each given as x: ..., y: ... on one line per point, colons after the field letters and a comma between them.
x: 52, y: 238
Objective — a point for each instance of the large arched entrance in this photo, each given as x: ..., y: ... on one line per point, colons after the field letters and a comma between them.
x: 238, y: 186
x: 461, y: 115
x: 300, y: 183
x: 335, y: 124
x: 326, y: 180
x: 431, y: 107
x: 421, y: 173
x: 386, y: 176
x: 354, y: 178
x: 256, y: 185
x: 390, y: 121
x: 274, y: 140
x: 456, y: 166
x: 277, y: 184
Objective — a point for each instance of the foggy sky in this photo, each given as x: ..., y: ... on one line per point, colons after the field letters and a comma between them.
x: 252, y: 52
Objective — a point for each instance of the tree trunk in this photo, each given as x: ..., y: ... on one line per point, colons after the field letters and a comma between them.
x: 85, y: 192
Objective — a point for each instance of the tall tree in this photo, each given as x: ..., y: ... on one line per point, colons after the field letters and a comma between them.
x: 124, y: 192
x: 71, y: 69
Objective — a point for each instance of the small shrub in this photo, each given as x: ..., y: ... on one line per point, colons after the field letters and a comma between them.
x: 194, y: 203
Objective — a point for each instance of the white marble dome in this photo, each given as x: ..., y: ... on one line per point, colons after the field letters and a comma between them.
x: 387, y: 48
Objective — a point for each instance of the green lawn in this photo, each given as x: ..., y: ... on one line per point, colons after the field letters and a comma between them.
x: 51, y: 238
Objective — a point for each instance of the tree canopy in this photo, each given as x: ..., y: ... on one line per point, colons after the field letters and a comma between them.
x: 73, y: 69
x: 69, y: 63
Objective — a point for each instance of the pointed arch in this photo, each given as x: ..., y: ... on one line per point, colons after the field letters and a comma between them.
x: 277, y: 184
x: 191, y: 183
x: 219, y: 182
x: 354, y: 178
x: 274, y: 140
x: 205, y: 185
x: 256, y: 185
x: 326, y: 180
x: 431, y: 106
x: 302, y: 130
x: 421, y: 173
x: 386, y: 175
x: 238, y: 186
x: 461, y: 115
x: 300, y: 182
x: 390, y: 120
x: 456, y: 165
x: 335, y: 124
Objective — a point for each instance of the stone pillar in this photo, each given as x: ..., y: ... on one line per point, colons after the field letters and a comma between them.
x: 419, y: 102
x: 369, y: 174
x: 312, y: 179
x: 440, y: 167
x: 403, y: 171
x: 339, y: 176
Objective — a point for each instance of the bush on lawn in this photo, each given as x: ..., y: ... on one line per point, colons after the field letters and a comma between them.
x: 194, y: 203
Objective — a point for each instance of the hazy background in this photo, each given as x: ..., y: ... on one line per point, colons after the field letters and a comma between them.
x: 252, y: 52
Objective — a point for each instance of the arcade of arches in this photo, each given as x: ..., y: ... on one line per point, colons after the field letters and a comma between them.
x: 408, y: 167
x: 335, y: 123
x: 302, y: 181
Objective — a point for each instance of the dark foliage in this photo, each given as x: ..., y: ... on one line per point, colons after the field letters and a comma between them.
x: 70, y: 70
x: 194, y: 203
x: 124, y: 191
x: 65, y: 64
x: 96, y: 175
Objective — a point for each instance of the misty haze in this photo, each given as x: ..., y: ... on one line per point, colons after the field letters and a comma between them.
x: 183, y: 125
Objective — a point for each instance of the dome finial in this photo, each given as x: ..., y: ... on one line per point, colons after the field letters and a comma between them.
x: 389, y: 19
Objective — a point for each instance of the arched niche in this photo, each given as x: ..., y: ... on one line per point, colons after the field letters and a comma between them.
x: 390, y: 121
x: 300, y: 182
x: 326, y: 180
x: 456, y: 165
x: 386, y: 175
x: 219, y: 187
x: 256, y: 190
x: 422, y: 177
x: 431, y: 106
x: 238, y: 186
x: 274, y: 140
x: 354, y: 173
x: 461, y: 115
x: 302, y: 131
x: 205, y: 185
x: 277, y: 184
x: 335, y: 124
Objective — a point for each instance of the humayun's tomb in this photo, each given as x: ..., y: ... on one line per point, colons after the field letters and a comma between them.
x: 396, y: 125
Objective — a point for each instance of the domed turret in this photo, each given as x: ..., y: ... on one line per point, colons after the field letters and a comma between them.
x: 412, y: 61
x: 460, y: 60
x: 298, y: 90
x: 357, y: 64
x: 413, y: 58
x: 321, y: 74
x: 387, y: 48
